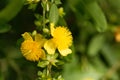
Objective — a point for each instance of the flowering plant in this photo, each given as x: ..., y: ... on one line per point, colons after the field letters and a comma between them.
x: 45, y: 47
x: 59, y: 40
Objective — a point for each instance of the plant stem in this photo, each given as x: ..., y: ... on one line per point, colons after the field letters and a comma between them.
x: 43, y: 17
x: 44, y: 7
x: 49, y: 71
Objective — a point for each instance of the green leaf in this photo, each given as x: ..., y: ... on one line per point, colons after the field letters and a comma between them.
x: 54, y: 14
x: 71, y: 67
x: 19, y: 41
x: 4, y: 28
x: 73, y: 2
x: 1, y: 76
x: 39, y: 73
x: 86, y: 73
x: 42, y: 64
x: 32, y: 6
x: 62, y: 21
x: 115, y: 4
x: 96, y: 44
x: 111, y: 53
x: 11, y: 10
x: 98, y: 16
x: 57, y: 2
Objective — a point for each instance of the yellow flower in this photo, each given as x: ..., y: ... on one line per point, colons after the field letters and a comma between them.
x: 62, y: 40
x: 31, y: 49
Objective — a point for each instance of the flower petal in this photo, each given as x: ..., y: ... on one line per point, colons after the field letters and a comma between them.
x: 62, y: 37
x: 39, y: 38
x: 50, y: 46
x: 43, y: 56
x: 65, y: 52
x: 32, y: 51
x: 27, y: 36
x: 52, y: 28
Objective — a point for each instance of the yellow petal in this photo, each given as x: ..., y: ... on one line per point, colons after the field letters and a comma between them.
x: 65, y: 52
x: 62, y: 37
x: 50, y: 46
x: 27, y: 36
x: 39, y: 38
x: 43, y: 56
x: 52, y: 28
x: 31, y: 50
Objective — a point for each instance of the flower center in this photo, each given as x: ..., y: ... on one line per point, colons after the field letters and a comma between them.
x: 29, y: 46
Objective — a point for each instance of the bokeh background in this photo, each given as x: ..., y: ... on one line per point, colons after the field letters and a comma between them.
x: 95, y: 26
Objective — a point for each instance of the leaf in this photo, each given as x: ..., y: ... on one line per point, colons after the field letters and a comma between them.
x: 57, y: 2
x: 42, y: 64
x: 11, y: 10
x: 32, y: 6
x: 54, y: 14
x: 62, y: 21
x: 111, y: 53
x: 4, y: 28
x: 98, y: 16
x: 73, y: 2
x: 19, y: 41
x: 1, y: 77
x: 86, y: 73
x: 71, y: 67
x: 115, y: 4
x: 39, y: 73
x: 96, y: 44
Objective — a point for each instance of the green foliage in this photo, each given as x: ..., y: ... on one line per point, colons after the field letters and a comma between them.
x: 96, y: 44
x: 115, y: 4
x: 43, y: 64
x: 94, y: 24
x: 10, y: 10
x: 98, y: 16
x: 4, y: 28
x: 58, y: 2
x: 54, y: 15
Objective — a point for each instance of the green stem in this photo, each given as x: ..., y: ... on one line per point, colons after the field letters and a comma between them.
x: 44, y: 7
x: 49, y: 71
x: 43, y: 17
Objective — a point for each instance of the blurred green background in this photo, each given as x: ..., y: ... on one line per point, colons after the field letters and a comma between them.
x: 95, y: 26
